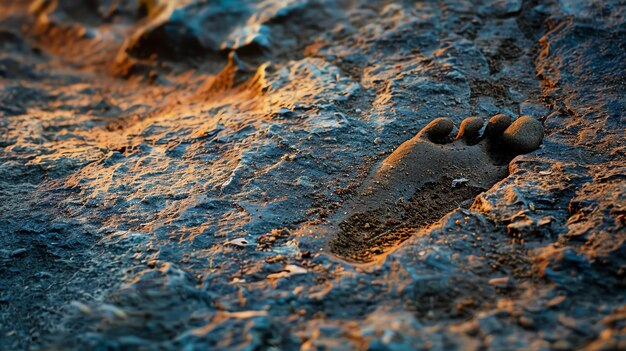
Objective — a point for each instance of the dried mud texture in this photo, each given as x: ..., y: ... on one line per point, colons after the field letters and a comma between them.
x: 169, y: 171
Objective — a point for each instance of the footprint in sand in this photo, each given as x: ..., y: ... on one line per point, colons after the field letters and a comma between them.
x: 426, y: 177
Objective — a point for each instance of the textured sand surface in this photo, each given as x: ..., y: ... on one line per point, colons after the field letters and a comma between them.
x: 169, y: 170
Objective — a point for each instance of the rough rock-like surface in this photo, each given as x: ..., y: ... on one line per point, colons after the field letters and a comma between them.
x: 165, y: 165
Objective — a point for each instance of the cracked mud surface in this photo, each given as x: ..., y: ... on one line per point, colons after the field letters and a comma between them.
x: 169, y: 171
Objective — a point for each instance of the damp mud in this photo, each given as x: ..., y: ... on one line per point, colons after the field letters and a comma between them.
x: 427, y: 177
x: 312, y: 174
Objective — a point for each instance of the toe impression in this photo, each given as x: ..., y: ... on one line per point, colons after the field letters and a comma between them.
x: 497, y: 125
x: 524, y: 135
x: 437, y: 130
x: 469, y: 129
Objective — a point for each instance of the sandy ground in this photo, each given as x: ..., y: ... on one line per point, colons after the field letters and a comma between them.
x: 192, y: 175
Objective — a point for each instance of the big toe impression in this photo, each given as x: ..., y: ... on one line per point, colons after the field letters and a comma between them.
x: 524, y: 135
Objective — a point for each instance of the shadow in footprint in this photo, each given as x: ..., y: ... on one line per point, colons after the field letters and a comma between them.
x: 427, y: 177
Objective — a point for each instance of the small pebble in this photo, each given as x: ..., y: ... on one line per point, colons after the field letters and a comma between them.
x: 84, y: 309
x: 555, y: 301
x: 500, y: 282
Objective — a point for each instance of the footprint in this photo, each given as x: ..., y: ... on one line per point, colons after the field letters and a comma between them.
x: 427, y: 177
